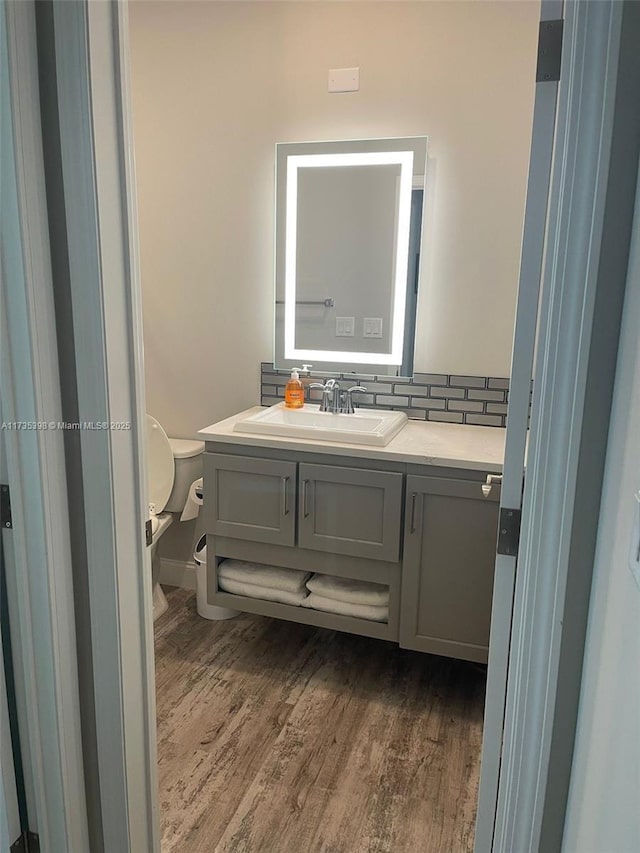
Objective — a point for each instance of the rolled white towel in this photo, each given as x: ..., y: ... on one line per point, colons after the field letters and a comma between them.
x: 271, y: 577
x: 345, y: 608
x: 348, y: 589
x: 282, y: 596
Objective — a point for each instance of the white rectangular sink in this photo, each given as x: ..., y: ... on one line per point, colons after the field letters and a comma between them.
x: 364, y: 426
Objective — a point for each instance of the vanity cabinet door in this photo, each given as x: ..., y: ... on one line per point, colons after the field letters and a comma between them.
x: 350, y: 511
x: 249, y: 498
x: 448, y: 566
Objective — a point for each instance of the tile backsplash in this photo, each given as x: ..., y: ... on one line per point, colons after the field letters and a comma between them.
x: 479, y: 400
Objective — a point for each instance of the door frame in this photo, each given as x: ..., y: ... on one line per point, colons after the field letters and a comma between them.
x: 99, y: 199
x: 545, y: 113
x: 36, y: 548
x: 93, y: 89
x: 10, y: 818
x: 590, y: 218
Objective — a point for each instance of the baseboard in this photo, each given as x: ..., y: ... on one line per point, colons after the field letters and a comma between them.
x: 177, y: 573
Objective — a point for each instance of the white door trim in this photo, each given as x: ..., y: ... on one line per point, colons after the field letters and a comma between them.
x: 97, y: 166
x: 10, y: 829
x: 580, y: 185
x: 531, y: 264
x: 96, y: 150
x: 37, y: 549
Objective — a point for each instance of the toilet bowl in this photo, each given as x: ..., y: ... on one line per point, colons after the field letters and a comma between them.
x: 172, y: 465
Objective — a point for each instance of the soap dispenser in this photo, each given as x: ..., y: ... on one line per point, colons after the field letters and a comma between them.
x: 294, y: 392
x: 304, y: 374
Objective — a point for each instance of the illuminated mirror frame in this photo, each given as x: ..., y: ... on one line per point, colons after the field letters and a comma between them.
x: 409, y: 153
x: 371, y: 158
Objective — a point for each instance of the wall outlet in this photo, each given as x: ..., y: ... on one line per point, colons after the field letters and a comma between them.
x: 345, y: 327
x: 372, y: 327
x: 344, y: 80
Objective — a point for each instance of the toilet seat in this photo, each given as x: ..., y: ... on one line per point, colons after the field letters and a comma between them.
x: 160, y: 467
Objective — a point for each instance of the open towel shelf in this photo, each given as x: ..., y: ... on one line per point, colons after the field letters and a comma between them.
x: 298, y: 596
x: 306, y: 616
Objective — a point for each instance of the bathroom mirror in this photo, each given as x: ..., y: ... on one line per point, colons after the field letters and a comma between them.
x: 348, y: 246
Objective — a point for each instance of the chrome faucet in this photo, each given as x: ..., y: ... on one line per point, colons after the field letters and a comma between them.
x: 346, y: 404
x: 335, y: 401
x: 330, y: 395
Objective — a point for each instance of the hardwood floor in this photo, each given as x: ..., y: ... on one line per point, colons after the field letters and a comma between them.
x: 274, y: 736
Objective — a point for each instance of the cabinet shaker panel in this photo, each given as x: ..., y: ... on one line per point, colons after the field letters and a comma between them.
x: 250, y: 498
x: 448, y: 566
x: 351, y: 511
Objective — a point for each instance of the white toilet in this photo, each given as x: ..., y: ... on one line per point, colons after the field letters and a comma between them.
x: 172, y: 466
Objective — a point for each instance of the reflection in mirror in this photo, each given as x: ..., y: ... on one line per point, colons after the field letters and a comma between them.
x: 348, y: 232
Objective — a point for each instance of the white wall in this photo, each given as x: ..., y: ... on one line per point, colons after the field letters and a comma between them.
x: 346, y: 241
x: 217, y: 84
x: 603, y: 814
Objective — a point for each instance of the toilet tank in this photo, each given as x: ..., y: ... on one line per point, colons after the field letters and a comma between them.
x: 187, y: 455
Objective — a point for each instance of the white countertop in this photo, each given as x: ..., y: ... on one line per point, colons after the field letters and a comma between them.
x: 419, y: 442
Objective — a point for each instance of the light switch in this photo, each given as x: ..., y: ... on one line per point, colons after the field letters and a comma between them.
x: 344, y: 79
x: 372, y: 327
x: 345, y: 327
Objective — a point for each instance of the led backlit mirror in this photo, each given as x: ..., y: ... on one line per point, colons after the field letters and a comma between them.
x: 348, y: 235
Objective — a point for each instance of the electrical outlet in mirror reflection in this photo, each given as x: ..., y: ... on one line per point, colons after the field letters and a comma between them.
x: 345, y: 327
x: 372, y: 327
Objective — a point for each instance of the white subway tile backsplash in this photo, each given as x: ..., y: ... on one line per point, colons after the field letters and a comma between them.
x: 478, y: 400
x: 496, y: 408
x: 484, y: 420
x: 468, y: 381
x: 396, y: 401
x: 465, y: 406
x: 426, y: 403
x: 418, y: 390
x: 447, y: 392
x: 273, y: 390
x: 487, y: 396
x: 445, y: 417
x: 498, y: 383
x: 378, y: 387
x: 361, y: 399
x: 430, y: 379
x: 269, y: 401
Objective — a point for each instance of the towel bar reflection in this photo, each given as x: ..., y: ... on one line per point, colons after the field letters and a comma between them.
x: 329, y: 302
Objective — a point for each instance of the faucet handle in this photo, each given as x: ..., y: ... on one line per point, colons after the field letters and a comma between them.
x: 347, y: 406
x: 325, y: 405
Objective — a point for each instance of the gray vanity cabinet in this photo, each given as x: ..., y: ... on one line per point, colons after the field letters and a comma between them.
x: 352, y: 511
x: 448, y: 566
x: 250, y: 498
x: 427, y: 533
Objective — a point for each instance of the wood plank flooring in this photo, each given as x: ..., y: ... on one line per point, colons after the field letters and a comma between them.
x: 280, y: 737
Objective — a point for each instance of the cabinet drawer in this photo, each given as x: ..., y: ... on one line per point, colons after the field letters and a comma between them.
x: 350, y: 511
x: 448, y: 567
x: 250, y: 499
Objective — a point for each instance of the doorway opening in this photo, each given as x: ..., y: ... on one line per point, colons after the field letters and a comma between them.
x: 271, y: 733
